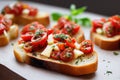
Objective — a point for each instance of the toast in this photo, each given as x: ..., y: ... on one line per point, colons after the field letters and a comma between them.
x: 58, y: 52
x: 107, y: 34
x: 86, y: 66
x: 76, y: 31
x: 25, y: 15
x: 7, y: 31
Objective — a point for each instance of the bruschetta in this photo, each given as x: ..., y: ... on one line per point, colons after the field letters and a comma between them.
x: 106, y: 33
x: 7, y: 30
x: 68, y: 27
x: 58, y: 52
x: 22, y: 13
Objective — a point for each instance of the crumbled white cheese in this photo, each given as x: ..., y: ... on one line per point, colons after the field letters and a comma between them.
x: 77, y: 45
x: 26, y: 11
x: 77, y: 53
x: 50, y: 39
x: 99, y: 30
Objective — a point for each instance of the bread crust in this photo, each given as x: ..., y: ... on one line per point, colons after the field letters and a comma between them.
x: 4, y: 40
x: 104, y: 42
x: 58, y: 66
x: 42, y: 18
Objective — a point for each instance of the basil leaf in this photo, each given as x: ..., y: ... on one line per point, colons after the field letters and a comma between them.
x: 56, y: 16
x: 84, y: 21
x: 78, y: 11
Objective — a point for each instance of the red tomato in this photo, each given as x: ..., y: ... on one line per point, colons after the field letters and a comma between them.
x: 27, y: 47
x: 109, y: 29
x: 75, y: 29
x: 97, y: 24
x: 70, y: 42
x: 49, y: 31
x: 61, y: 22
x: 32, y: 27
x: 39, y: 39
x: 55, y: 55
x: 8, y: 10
x: 33, y: 11
x: 61, y: 46
x: 2, y: 28
x: 17, y: 8
x: 67, y: 55
x: 6, y: 22
x: 86, y: 46
x: 27, y: 36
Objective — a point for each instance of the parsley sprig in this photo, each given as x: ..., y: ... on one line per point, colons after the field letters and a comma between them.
x: 74, y: 12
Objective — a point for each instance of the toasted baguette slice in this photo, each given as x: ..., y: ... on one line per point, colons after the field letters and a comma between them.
x: 7, y: 36
x: 41, y: 17
x: 105, y: 42
x: 85, y: 65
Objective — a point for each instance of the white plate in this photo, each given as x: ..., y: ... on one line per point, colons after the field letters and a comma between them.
x: 107, y: 60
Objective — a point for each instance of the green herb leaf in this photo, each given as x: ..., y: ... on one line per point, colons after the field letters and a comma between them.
x: 115, y: 53
x: 109, y: 72
x: 84, y: 21
x: 75, y: 12
x: 56, y: 16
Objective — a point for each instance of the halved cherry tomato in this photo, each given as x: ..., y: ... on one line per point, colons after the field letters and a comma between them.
x: 33, y: 11
x: 67, y: 55
x: 55, y: 55
x: 27, y: 36
x: 70, y: 42
x: 27, y: 47
x: 6, y: 22
x: 61, y: 46
x: 39, y: 39
x: 2, y: 28
x: 17, y: 8
x: 86, y: 46
x: 109, y: 29
x: 75, y: 29
x: 61, y: 22
x: 97, y: 24
x: 32, y: 27
x: 8, y: 10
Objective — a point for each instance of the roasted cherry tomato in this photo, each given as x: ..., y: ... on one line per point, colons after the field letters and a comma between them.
x: 61, y: 22
x: 55, y: 55
x: 8, y: 10
x: 67, y: 55
x: 33, y: 11
x: 32, y: 27
x: 86, y: 46
x: 17, y: 8
x: 109, y: 29
x: 70, y: 42
x: 97, y: 24
x: 27, y: 47
x: 27, y: 36
x: 39, y: 39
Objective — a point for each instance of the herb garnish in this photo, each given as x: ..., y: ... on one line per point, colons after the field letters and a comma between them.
x: 72, y: 16
x: 61, y: 36
x: 108, y: 72
x: 115, y: 53
x: 77, y: 61
x: 12, y: 44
